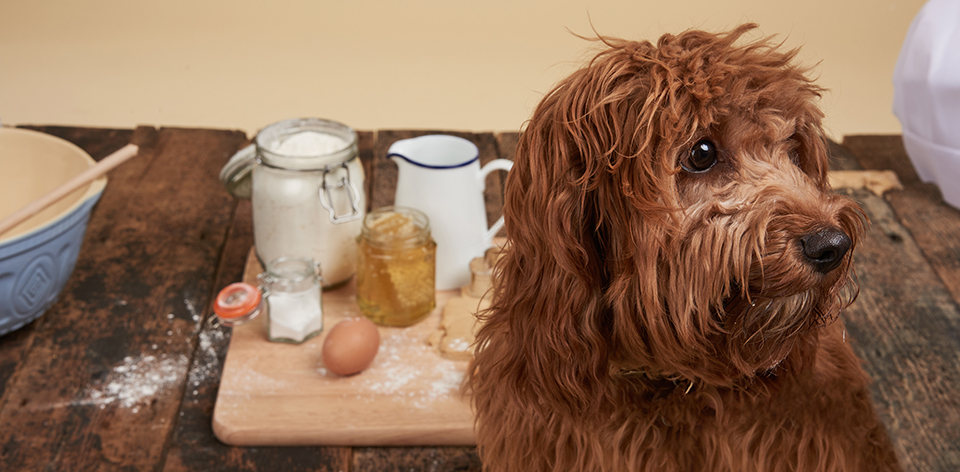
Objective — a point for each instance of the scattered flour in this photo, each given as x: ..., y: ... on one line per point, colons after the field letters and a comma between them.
x: 192, y: 309
x: 207, y: 363
x: 400, y: 371
x: 137, y: 380
x: 309, y: 143
x: 459, y: 345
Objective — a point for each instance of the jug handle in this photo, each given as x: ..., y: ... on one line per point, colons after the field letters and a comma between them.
x: 496, y: 164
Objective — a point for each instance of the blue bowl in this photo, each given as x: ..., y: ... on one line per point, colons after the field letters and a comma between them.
x: 38, y: 255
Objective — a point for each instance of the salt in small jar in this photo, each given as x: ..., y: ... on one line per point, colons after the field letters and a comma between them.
x: 292, y: 288
x: 291, y: 298
x: 290, y: 294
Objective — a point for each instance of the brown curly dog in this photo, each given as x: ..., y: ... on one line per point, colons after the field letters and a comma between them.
x: 676, y: 265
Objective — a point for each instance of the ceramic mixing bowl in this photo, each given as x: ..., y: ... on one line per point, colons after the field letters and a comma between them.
x: 38, y: 255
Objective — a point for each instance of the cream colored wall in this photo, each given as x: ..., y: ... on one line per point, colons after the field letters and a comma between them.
x: 448, y: 64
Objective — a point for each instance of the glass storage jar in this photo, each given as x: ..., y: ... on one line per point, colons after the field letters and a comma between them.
x: 397, y: 267
x: 306, y: 184
x: 291, y: 286
x: 290, y: 294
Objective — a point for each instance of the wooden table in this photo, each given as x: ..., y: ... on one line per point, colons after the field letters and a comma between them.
x: 166, y: 237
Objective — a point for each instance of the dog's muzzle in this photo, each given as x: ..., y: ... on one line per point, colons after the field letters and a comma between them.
x: 824, y: 250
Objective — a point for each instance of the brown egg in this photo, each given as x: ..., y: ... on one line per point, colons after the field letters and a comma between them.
x: 351, y: 346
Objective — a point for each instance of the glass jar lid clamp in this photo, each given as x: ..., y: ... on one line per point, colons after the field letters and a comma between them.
x: 326, y: 199
x: 336, y: 152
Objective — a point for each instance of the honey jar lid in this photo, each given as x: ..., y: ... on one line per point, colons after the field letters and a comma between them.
x: 237, y: 303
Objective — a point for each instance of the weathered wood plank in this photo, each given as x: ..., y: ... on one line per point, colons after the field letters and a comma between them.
x: 920, y: 345
x: 365, y: 143
x: 13, y: 348
x: 883, y: 152
x: 906, y: 327
x: 193, y: 446
x: 841, y: 158
x: 493, y: 193
x: 507, y: 143
x: 934, y: 224
x: 98, y: 142
x: 404, y: 459
x: 101, y: 386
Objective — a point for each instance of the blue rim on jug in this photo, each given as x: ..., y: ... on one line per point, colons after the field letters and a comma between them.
x: 468, y: 149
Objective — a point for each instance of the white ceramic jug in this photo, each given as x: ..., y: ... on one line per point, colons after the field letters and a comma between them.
x: 441, y: 176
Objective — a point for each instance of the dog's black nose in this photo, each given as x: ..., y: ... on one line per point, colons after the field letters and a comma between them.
x: 824, y: 249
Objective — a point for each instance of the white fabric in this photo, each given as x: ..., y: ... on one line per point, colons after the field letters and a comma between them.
x: 926, y: 95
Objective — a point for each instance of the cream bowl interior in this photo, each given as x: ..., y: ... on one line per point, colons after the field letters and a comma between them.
x: 33, y: 164
x: 37, y: 257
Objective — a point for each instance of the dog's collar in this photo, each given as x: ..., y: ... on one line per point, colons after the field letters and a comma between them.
x: 650, y: 378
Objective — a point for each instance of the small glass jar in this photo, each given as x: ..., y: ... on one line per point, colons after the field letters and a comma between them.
x: 397, y: 267
x: 292, y: 289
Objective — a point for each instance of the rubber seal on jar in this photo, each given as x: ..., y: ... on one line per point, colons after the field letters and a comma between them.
x: 237, y: 303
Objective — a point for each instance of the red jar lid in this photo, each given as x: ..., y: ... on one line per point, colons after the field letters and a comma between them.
x: 237, y: 303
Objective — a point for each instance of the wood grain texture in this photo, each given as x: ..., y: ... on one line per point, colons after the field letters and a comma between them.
x: 904, y: 326
x: 507, y: 143
x: 934, y: 224
x: 883, y: 152
x: 841, y: 158
x: 13, y: 351
x: 405, y: 459
x: 365, y: 143
x: 144, y: 271
x: 906, y: 323
x: 98, y: 142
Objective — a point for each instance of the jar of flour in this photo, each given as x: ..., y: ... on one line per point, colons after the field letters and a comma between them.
x: 306, y: 184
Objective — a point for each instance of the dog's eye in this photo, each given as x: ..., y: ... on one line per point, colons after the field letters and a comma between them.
x: 701, y: 157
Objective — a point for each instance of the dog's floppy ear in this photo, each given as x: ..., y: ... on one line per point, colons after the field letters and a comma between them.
x: 591, y: 150
x: 811, y: 151
x: 585, y: 168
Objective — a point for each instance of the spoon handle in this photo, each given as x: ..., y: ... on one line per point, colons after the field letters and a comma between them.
x: 85, y: 177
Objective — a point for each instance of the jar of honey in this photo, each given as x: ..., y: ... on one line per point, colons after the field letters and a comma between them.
x: 396, y: 267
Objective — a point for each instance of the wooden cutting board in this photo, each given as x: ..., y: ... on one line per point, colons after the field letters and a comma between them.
x: 274, y: 394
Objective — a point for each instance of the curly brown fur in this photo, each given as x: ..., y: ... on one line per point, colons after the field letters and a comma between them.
x: 654, y: 315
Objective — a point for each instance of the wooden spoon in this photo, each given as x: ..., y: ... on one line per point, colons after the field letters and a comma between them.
x: 85, y: 177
